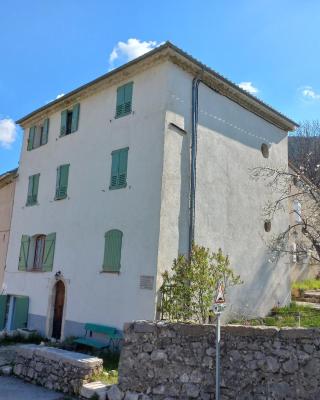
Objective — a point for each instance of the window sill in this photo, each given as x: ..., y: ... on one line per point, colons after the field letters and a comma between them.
x: 123, y: 115
x: 32, y: 204
x: 117, y: 187
x: 60, y: 198
x: 35, y: 148
x: 32, y: 270
x: 110, y: 272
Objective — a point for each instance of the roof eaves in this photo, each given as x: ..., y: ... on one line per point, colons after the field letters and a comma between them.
x: 290, y: 124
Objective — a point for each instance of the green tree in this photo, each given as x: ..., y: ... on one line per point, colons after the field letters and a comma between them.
x: 188, y: 290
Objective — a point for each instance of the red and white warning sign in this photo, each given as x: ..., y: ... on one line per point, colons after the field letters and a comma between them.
x: 220, y: 294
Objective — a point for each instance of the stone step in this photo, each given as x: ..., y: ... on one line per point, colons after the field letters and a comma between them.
x: 316, y: 306
x: 312, y: 293
x: 89, y: 389
x: 6, y: 370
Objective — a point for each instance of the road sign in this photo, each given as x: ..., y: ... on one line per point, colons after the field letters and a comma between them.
x: 220, y: 294
x: 218, y: 306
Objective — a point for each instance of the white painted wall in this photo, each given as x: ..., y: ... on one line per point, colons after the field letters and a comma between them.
x: 152, y: 211
x: 92, y: 209
x: 228, y: 203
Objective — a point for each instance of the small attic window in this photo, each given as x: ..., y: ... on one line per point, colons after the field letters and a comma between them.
x: 265, y: 150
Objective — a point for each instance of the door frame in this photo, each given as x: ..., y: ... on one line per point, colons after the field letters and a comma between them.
x: 51, y: 304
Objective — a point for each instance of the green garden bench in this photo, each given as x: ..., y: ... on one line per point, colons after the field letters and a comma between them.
x: 112, y: 335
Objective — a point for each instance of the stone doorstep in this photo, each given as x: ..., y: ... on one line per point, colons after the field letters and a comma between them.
x: 89, y: 389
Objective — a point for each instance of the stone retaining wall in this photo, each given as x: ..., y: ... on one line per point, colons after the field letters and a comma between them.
x: 177, y: 361
x: 55, y: 369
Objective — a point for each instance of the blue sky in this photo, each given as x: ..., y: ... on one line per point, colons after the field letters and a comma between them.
x: 51, y: 47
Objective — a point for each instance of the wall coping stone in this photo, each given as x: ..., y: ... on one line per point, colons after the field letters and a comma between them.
x: 192, y: 329
x: 50, y: 353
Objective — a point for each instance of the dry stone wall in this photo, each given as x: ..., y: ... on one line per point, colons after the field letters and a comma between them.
x: 177, y: 361
x: 55, y: 369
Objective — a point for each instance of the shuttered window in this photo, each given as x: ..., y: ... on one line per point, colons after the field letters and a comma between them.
x: 112, y: 251
x: 62, y: 182
x: 70, y: 120
x: 38, y: 135
x: 119, y: 168
x: 37, y: 252
x: 124, y: 100
x: 33, y: 187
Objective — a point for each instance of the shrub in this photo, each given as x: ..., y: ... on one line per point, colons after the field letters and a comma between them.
x: 187, y: 293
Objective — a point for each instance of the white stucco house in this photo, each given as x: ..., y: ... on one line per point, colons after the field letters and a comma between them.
x: 122, y: 174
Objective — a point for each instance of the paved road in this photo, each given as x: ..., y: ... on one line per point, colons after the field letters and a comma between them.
x: 15, y: 389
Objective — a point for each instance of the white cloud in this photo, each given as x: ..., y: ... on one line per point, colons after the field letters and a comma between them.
x: 8, y: 132
x: 309, y: 93
x: 248, y: 86
x: 133, y: 48
x: 59, y: 95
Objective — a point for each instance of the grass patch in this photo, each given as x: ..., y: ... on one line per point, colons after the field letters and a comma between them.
x: 290, y: 316
x: 309, y: 284
x: 109, y: 374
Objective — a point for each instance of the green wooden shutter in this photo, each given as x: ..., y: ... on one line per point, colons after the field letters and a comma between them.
x: 30, y: 191
x: 112, y: 251
x: 75, y: 117
x: 48, y: 256
x: 128, y: 98
x: 62, y: 181
x: 115, y: 169
x: 119, y: 168
x: 33, y: 189
x: 63, y: 127
x: 123, y: 162
x: 45, y: 131
x: 24, y: 253
x: 20, y: 312
x: 3, y: 309
x: 120, y: 101
x: 32, y: 132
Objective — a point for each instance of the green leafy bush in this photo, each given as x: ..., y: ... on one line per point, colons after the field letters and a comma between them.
x: 188, y: 290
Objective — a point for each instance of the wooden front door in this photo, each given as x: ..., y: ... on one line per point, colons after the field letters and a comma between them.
x: 58, y: 310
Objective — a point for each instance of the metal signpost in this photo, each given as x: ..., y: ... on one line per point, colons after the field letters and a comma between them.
x: 218, y: 307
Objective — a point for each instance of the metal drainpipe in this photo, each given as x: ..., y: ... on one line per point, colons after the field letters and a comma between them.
x: 194, y: 131
x: 194, y: 140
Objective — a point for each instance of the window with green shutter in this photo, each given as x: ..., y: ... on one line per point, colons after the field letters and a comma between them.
x: 33, y: 187
x: 119, y: 168
x: 62, y: 182
x: 24, y: 253
x: 112, y: 251
x: 70, y: 120
x: 37, y: 252
x: 38, y: 135
x: 124, y: 100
